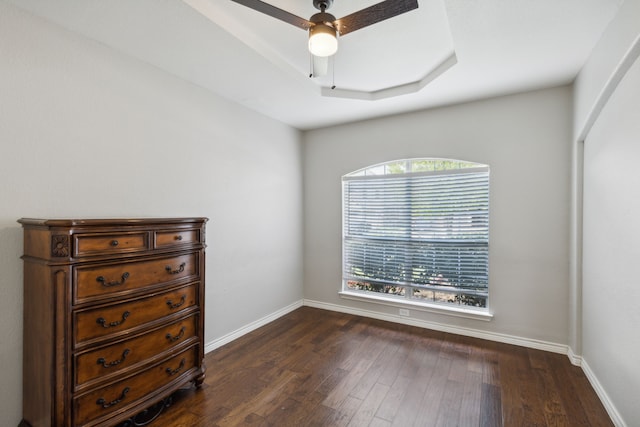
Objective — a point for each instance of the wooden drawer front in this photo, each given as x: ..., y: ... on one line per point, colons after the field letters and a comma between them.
x: 95, y: 282
x: 123, y: 394
x: 114, y: 358
x: 95, y: 244
x: 164, y: 239
x: 105, y: 321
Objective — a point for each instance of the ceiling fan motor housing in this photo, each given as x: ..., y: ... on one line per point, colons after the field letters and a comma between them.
x: 323, y: 18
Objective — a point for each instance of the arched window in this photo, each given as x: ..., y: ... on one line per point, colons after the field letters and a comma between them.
x: 418, y: 229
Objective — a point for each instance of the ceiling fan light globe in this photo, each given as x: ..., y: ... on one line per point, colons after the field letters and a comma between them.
x: 322, y: 40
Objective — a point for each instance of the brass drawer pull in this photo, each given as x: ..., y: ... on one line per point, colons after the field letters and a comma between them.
x: 106, y: 404
x: 178, y: 304
x: 114, y: 243
x: 104, y: 363
x: 177, y: 337
x: 178, y: 369
x: 178, y: 271
x: 106, y: 284
x: 178, y: 237
x: 104, y: 323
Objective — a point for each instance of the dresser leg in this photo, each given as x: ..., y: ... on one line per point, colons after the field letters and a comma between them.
x: 200, y: 378
x: 24, y: 423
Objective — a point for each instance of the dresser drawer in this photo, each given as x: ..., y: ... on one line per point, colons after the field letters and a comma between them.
x: 169, y: 238
x: 98, y: 244
x: 106, y: 361
x: 107, y: 280
x: 123, y: 394
x: 105, y: 321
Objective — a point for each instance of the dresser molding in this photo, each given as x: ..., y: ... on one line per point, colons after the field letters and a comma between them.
x: 113, y: 317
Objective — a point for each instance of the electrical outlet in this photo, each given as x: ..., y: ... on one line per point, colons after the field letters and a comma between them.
x: 404, y: 312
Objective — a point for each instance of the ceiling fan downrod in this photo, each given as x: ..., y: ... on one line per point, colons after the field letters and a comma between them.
x: 322, y: 5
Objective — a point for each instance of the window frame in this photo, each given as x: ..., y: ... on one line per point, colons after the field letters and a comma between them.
x: 406, y: 169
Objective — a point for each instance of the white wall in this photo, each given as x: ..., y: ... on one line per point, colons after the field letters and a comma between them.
x: 525, y: 139
x: 611, y: 283
x: 606, y: 134
x: 88, y: 132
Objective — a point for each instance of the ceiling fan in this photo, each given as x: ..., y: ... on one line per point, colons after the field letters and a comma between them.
x: 323, y: 26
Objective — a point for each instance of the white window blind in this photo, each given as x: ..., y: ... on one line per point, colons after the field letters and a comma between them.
x: 421, y: 235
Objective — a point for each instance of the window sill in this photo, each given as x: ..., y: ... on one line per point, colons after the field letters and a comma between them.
x: 455, y: 311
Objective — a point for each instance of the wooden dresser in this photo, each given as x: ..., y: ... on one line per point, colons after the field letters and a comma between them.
x: 113, y: 317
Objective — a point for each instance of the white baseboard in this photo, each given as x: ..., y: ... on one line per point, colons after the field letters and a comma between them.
x: 574, y: 358
x: 251, y: 326
x: 475, y: 333
x: 616, y: 419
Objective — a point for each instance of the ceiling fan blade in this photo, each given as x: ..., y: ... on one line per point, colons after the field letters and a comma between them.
x: 277, y: 13
x: 373, y: 14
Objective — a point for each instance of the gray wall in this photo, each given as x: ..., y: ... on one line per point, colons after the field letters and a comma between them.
x: 88, y: 132
x: 611, y: 282
x: 607, y: 132
x: 525, y: 139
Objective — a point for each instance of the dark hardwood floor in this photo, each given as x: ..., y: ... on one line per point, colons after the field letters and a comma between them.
x: 320, y: 368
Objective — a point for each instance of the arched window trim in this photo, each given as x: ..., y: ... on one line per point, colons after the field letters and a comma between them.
x: 412, y: 167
